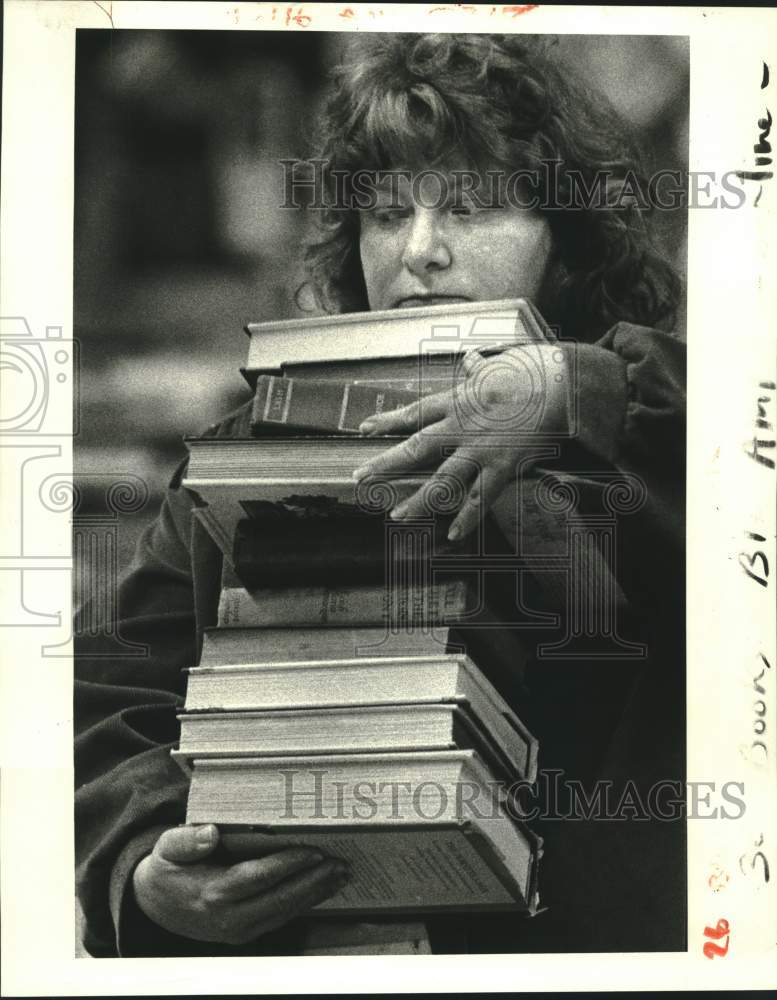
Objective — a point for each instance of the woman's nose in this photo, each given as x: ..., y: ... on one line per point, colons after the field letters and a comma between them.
x: 427, y: 247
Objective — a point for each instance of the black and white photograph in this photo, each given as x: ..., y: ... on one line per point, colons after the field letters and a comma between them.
x: 392, y: 592
x: 386, y: 174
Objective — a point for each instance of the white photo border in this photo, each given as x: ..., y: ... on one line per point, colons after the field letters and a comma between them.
x: 732, y: 319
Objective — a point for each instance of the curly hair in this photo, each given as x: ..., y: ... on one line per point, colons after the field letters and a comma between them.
x: 493, y: 100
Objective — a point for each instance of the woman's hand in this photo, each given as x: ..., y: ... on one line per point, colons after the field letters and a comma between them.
x: 180, y: 888
x: 477, y: 432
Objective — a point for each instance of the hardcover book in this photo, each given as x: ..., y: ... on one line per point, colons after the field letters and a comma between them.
x: 448, y: 329
x: 499, y: 738
x: 421, y: 831
x: 335, y: 684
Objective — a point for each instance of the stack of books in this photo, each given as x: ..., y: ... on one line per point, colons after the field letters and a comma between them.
x: 334, y: 704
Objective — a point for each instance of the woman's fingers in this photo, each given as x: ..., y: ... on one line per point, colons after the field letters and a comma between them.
x: 484, y: 491
x: 408, y: 418
x: 471, y: 361
x: 289, y: 899
x: 249, y: 878
x: 421, y: 449
x: 444, y: 492
x: 463, y: 483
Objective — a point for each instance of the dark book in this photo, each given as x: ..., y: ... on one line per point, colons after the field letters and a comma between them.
x: 277, y: 549
x: 420, y: 375
x: 288, y: 404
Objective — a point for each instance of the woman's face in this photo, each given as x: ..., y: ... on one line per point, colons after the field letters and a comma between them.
x: 419, y: 248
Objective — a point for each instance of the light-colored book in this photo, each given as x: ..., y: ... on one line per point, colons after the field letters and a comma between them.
x: 501, y: 740
x: 431, y: 830
x: 319, y: 684
x: 424, y: 332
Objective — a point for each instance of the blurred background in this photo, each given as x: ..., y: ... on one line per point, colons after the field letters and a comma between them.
x: 179, y: 235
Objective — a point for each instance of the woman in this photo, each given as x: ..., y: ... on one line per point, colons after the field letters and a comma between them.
x: 481, y: 111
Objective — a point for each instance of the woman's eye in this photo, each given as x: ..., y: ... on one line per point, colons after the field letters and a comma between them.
x: 390, y: 214
x: 465, y: 209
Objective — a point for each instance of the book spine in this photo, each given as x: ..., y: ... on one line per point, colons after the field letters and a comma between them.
x: 402, y: 607
x: 321, y: 405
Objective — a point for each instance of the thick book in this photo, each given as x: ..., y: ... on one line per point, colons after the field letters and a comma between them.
x: 416, y: 794
x: 505, y: 651
x: 289, y: 404
x: 445, y: 678
x: 314, y: 457
x: 447, y: 329
x: 230, y: 476
x: 285, y: 645
x: 224, y: 646
x: 273, y: 550
x: 500, y: 740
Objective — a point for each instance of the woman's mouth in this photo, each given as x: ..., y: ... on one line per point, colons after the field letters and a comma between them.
x: 416, y: 301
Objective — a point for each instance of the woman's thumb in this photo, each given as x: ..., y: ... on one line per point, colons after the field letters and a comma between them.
x: 185, y: 844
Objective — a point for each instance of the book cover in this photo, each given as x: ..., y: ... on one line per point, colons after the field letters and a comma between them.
x: 411, y: 869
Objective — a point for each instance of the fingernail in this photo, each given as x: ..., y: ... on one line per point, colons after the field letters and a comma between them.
x: 398, y: 512
x: 359, y: 473
x: 454, y: 533
x: 367, y: 427
x: 205, y: 836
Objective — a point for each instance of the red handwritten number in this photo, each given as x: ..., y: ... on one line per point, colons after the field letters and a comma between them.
x: 515, y: 11
x: 721, y: 929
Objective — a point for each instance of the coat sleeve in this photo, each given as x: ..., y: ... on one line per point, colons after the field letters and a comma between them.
x: 629, y: 408
x: 128, y: 789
